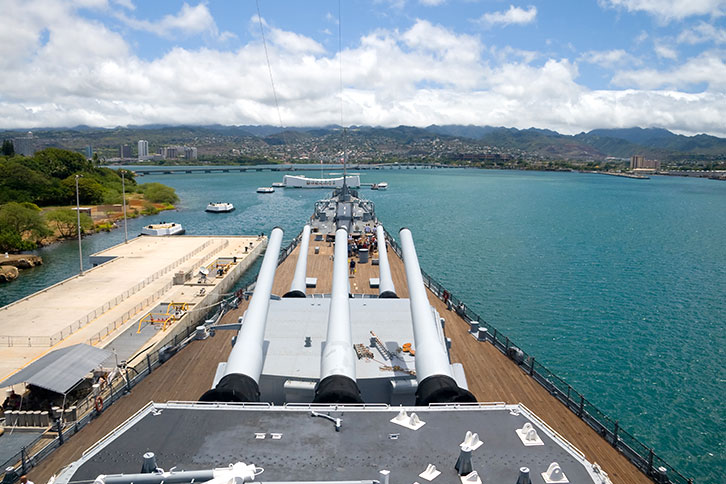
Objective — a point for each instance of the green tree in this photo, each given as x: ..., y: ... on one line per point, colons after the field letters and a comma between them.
x: 18, y: 183
x: 21, y: 226
x: 89, y: 190
x: 59, y: 163
x: 8, y: 148
x: 158, y: 193
x: 65, y: 222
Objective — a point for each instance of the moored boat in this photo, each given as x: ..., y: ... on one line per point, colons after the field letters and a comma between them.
x: 265, y: 190
x: 219, y: 207
x: 163, y: 229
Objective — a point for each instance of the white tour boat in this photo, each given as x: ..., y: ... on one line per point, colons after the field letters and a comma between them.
x: 219, y: 207
x: 163, y: 229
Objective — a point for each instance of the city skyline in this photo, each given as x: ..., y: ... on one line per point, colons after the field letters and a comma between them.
x: 572, y: 66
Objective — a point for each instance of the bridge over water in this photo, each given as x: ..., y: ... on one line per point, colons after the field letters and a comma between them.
x: 307, y: 167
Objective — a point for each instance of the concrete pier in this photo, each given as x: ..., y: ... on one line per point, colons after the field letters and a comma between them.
x: 131, y: 281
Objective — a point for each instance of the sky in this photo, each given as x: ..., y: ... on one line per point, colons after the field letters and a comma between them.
x: 566, y: 65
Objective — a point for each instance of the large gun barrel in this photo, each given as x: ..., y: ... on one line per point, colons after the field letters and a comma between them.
x: 385, y: 287
x: 244, y: 366
x: 298, y: 286
x: 337, y: 370
x: 433, y: 369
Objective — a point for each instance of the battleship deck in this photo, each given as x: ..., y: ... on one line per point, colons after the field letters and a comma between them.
x: 491, y: 376
x: 131, y: 280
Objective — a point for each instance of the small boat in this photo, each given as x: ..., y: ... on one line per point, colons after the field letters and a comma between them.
x: 219, y: 207
x: 379, y: 186
x: 265, y: 190
x: 163, y: 229
x: 278, y: 185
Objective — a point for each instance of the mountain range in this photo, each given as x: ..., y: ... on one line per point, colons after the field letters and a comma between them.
x: 216, y: 140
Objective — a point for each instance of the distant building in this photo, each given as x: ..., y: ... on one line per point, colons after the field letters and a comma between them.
x: 124, y: 151
x: 639, y: 162
x: 168, y: 152
x: 88, y: 151
x: 25, y: 145
x: 190, y: 153
x: 143, y: 149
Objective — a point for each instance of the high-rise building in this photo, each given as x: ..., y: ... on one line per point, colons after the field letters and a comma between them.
x: 88, y: 151
x: 169, y: 152
x: 143, y: 149
x: 25, y: 145
x: 124, y: 151
x: 639, y: 162
x: 190, y: 152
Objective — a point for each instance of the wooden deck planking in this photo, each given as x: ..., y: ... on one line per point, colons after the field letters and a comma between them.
x: 491, y: 375
x: 184, y: 377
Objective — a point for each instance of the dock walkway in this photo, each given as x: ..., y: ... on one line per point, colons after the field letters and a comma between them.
x: 108, y: 298
x: 491, y: 376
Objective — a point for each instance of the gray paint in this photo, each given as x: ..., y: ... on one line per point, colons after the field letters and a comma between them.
x: 60, y: 370
x: 310, y: 449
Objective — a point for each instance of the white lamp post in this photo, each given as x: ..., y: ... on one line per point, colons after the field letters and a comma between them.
x: 126, y: 227
x: 78, y: 215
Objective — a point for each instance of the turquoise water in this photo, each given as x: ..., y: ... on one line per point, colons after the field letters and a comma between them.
x: 617, y: 285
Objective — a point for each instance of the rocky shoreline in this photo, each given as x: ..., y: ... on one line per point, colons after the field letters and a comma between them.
x: 10, y: 265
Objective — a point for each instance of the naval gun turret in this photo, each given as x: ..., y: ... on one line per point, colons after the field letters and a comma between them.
x: 240, y: 382
x: 435, y: 379
x: 298, y: 286
x: 337, y: 369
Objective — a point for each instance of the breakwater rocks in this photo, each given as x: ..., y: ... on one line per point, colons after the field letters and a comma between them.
x: 11, y: 263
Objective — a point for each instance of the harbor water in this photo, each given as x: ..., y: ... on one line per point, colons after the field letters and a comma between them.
x: 616, y: 285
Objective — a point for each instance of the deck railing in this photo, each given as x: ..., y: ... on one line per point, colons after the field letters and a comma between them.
x: 633, y: 449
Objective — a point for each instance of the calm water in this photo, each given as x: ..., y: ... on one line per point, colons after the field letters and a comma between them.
x: 617, y: 285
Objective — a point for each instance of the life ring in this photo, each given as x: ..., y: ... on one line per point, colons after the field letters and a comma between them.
x: 98, y: 404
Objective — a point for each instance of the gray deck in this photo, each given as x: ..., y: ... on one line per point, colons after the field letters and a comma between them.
x: 203, y: 437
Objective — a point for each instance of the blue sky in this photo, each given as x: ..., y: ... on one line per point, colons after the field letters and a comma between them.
x: 566, y: 65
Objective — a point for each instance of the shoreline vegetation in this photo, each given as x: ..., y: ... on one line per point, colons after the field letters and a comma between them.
x: 38, y: 198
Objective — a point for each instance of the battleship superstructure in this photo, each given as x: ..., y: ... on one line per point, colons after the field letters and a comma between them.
x: 337, y: 387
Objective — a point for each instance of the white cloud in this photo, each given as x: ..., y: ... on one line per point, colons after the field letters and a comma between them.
x: 514, y: 15
x: 60, y: 69
x: 609, y: 58
x: 665, y: 52
x: 671, y: 9
x: 190, y: 20
x: 432, y: 3
x: 708, y: 68
x: 129, y: 4
x: 703, y: 32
